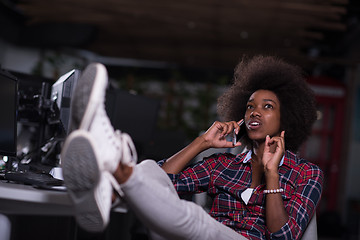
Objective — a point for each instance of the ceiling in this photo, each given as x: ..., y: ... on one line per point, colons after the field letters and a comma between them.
x: 201, y: 33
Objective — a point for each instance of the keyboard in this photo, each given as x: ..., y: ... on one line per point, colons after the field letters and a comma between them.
x: 43, y: 180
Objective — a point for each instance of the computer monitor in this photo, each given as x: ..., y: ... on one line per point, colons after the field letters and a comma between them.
x: 61, y: 93
x: 133, y: 114
x: 8, y: 109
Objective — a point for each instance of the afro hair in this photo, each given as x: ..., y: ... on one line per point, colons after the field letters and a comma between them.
x: 297, y: 101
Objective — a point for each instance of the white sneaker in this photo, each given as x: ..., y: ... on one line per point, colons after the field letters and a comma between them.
x: 89, y: 188
x: 88, y: 113
x: 92, y: 151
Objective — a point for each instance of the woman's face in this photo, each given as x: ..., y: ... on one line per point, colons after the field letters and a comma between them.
x: 262, y: 116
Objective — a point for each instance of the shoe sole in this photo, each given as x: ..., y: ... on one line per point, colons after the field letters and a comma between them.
x: 82, y: 177
x: 88, y: 95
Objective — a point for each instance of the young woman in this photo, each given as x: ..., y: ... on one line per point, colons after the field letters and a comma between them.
x: 267, y: 192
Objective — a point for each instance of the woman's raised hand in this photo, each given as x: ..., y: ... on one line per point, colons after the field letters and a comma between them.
x: 215, y: 136
x: 273, y: 152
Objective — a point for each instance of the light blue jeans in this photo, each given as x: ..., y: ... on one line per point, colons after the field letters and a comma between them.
x: 153, y: 198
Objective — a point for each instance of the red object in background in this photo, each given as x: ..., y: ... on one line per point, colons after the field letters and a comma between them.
x: 325, y: 144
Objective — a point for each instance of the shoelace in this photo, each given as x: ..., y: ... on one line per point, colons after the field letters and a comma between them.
x: 129, y: 155
x: 114, y: 183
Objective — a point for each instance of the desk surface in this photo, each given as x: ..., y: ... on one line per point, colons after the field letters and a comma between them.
x: 27, y: 200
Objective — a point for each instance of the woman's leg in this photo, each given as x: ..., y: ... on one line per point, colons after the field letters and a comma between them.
x: 90, y: 156
x: 153, y: 198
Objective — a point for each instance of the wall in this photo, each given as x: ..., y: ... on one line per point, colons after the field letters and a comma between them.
x: 46, y: 63
x: 18, y: 59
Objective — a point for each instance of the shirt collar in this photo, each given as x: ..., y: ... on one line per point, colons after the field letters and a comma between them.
x: 248, y: 158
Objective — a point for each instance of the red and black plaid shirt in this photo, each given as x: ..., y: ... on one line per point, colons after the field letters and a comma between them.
x: 225, y: 176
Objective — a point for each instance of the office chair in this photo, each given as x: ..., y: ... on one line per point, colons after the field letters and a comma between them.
x: 311, y: 230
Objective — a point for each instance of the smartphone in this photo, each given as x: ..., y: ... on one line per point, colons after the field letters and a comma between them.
x: 242, y: 132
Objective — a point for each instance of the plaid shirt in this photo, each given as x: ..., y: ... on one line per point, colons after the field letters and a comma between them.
x: 225, y: 176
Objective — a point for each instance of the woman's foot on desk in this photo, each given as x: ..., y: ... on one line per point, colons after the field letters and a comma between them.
x: 89, y: 185
x: 92, y: 151
x: 89, y: 188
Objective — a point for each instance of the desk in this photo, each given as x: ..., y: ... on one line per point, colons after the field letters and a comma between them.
x: 32, y: 209
x: 19, y: 200
x: 27, y: 200
x: 26, y: 204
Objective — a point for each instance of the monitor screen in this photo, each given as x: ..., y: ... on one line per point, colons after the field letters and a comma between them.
x: 8, y: 109
x: 61, y: 93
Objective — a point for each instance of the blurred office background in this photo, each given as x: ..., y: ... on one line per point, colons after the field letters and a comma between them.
x: 182, y: 55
